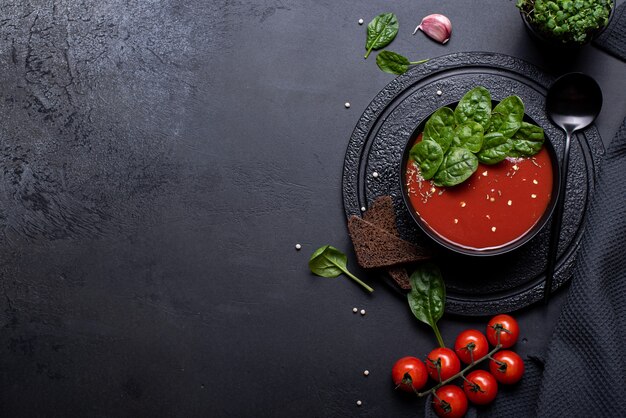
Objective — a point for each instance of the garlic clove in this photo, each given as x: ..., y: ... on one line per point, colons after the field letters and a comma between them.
x: 437, y: 27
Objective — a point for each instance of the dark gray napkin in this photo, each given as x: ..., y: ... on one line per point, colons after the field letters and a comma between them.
x: 585, y: 369
x: 613, y: 39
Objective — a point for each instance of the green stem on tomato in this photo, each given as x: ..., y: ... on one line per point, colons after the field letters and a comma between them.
x: 468, y: 381
x: 356, y: 279
x: 499, y: 363
x: 459, y: 374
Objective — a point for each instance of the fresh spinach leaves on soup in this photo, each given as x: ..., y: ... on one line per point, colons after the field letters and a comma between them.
x: 454, y: 141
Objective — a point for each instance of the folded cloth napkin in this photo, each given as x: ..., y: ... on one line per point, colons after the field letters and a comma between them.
x: 613, y: 39
x: 585, y: 369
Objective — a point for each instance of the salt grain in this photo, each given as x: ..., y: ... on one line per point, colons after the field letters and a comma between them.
x: 439, y: 92
x: 298, y: 247
x: 375, y: 174
x: 363, y: 209
x: 366, y: 373
x: 362, y: 311
x: 355, y: 310
x: 493, y: 229
x: 347, y: 105
x: 360, y: 21
x: 510, y: 202
x: 534, y: 196
x: 359, y: 403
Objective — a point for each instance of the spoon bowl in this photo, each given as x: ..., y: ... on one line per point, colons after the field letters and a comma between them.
x: 573, y: 103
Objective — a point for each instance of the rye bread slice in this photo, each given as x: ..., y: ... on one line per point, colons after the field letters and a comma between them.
x: 400, y: 276
x: 375, y: 247
x: 382, y: 214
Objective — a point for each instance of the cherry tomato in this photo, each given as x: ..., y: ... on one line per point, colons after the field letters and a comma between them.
x: 480, y: 387
x: 409, y: 374
x: 471, y: 343
x: 449, y: 401
x: 507, y: 368
x: 508, y: 328
x: 448, y: 363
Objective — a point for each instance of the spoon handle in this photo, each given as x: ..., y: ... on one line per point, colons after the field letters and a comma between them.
x: 557, y: 219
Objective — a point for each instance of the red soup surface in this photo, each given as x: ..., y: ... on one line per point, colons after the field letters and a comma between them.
x: 496, y: 206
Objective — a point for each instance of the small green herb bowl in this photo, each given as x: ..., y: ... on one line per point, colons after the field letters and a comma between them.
x: 452, y: 246
x: 564, y: 41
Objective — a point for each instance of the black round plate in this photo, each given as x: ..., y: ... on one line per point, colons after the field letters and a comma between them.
x: 475, y: 285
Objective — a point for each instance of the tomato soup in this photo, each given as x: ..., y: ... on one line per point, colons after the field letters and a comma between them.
x: 496, y: 206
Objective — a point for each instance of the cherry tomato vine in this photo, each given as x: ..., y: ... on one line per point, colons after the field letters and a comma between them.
x: 471, y: 347
x: 463, y: 371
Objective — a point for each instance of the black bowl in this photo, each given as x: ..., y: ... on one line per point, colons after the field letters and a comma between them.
x: 523, y: 239
x: 544, y: 37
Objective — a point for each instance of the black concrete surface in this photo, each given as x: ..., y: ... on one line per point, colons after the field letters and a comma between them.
x: 160, y: 160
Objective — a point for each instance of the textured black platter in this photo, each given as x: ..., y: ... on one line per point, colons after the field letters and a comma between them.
x: 475, y: 285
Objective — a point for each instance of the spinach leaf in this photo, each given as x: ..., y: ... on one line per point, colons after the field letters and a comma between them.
x: 474, y: 105
x: 457, y: 166
x: 527, y: 141
x: 381, y: 31
x: 469, y: 135
x: 428, y: 296
x: 394, y: 63
x: 507, y: 116
x: 428, y: 155
x: 327, y: 261
x: 440, y: 127
x: 496, y: 148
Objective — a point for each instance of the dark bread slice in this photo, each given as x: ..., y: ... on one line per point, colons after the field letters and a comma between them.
x: 382, y: 214
x: 377, y: 248
x: 400, y: 276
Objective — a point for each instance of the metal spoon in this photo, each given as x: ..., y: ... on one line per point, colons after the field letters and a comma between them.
x: 573, y: 103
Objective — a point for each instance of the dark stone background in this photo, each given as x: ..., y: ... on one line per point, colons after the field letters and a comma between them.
x: 159, y: 161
